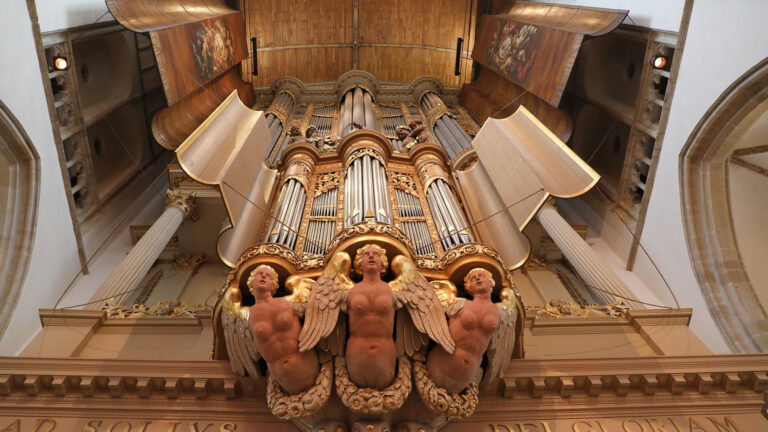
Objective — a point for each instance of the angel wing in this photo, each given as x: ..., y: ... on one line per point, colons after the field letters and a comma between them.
x: 448, y: 295
x: 502, y: 343
x: 425, y: 311
x: 300, y: 289
x: 326, y: 298
x: 239, y: 341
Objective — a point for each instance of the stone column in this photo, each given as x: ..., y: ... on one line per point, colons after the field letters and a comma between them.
x: 584, y: 259
x: 135, y: 266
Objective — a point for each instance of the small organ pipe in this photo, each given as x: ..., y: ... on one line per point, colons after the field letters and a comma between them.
x: 286, y: 215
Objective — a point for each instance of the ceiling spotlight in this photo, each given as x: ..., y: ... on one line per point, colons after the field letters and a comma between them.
x: 60, y: 63
x: 658, y: 62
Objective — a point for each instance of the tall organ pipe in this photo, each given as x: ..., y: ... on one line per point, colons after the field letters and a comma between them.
x: 451, y: 135
x: 358, y: 110
x: 370, y: 113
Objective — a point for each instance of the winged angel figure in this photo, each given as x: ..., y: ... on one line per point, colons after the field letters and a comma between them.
x: 478, y: 327
x: 371, y: 305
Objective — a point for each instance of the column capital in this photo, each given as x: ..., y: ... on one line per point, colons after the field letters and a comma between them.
x: 550, y: 203
x: 185, y: 201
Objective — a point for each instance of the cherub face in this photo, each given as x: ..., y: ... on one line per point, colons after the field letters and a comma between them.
x: 371, y: 256
x: 402, y: 133
x: 479, y: 283
x: 371, y: 259
x: 263, y: 278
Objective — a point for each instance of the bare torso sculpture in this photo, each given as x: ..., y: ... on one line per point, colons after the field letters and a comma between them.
x: 275, y: 330
x: 370, y: 352
x: 471, y: 329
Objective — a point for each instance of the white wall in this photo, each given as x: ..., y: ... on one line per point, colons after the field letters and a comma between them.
x: 738, y: 32
x: 655, y: 14
x: 54, y: 259
x: 63, y: 14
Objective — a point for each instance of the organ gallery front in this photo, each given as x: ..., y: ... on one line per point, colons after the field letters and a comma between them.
x: 374, y: 267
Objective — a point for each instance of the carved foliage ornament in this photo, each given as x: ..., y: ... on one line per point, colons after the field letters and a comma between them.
x: 403, y: 182
x: 326, y: 182
x: 186, y: 201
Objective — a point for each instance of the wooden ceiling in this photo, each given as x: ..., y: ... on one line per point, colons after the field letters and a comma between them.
x: 395, y: 40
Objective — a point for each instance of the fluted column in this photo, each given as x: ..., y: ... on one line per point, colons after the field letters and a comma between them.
x: 135, y: 266
x: 584, y: 259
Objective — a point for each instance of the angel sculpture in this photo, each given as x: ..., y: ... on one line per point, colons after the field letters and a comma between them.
x: 371, y: 352
x: 478, y: 327
x: 269, y: 329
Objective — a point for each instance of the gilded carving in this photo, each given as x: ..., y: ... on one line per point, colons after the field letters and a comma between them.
x: 189, y: 261
x: 455, y: 406
x: 185, y: 201
x: 569, y: 309
x: 286, y: 406
x: 164, y: 308
x: 326, y: 182
x: 403, y: 182
x: 372, y: 401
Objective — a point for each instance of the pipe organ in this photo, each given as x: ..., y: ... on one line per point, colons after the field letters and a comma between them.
x: 276, y: 116
x: 353, y: 160
x: 356, y: 111
x: 451, y: 135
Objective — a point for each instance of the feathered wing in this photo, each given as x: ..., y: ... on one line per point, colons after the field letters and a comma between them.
x: 502, y: 343
x: 452, y: 309
x: 240, y: 347
x: 321, y: 312
x: 408, y: 340
x: 417, y: 295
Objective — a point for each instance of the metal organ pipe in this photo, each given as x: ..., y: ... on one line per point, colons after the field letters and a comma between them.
x: 358, y: 110
x: 370, y: 113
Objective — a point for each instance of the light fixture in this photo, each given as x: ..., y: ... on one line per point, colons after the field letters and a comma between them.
x: 658, y: 62
x: 60, y: 63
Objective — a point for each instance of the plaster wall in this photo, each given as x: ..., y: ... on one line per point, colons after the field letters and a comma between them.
x: 655, y: 14
x: 54, y: 261
x: 737, y: 30
x: 63, y: 14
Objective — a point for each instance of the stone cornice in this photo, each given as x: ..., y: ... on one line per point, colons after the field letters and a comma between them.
x: 719, y: 376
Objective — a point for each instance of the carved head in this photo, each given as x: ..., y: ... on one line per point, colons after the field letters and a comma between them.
x: 371, y: 254
x: 262, y: 275
x: 311, y: 131
x: 295, y: 130
x: 402, y: 132
x: 416, y: 122
x: 478, y: 281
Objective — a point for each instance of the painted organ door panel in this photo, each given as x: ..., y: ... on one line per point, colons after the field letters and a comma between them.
x: 284, y: 224
x: 366, y: 193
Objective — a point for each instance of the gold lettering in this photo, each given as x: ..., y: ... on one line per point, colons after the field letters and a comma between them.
x: 654, y: 423
x: 577, y: 428
x: 626, y: 422
x: 524, y: 427
x: 144, y: 425
x: 16, y: 425
x: 46, y: 421
x: 193, y: 427
x: 692, y: 422
x: 546, y: 426
x: 674, y: 423
x: 91, y: 427
x: 725, y: 427
x: 602, y: 426
x: 496, y: 427
x: 112, y: 428
x: 228, y: 427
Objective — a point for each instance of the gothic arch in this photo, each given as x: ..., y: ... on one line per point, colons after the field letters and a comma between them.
x: 19, y: 191
x: 707, y: 211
